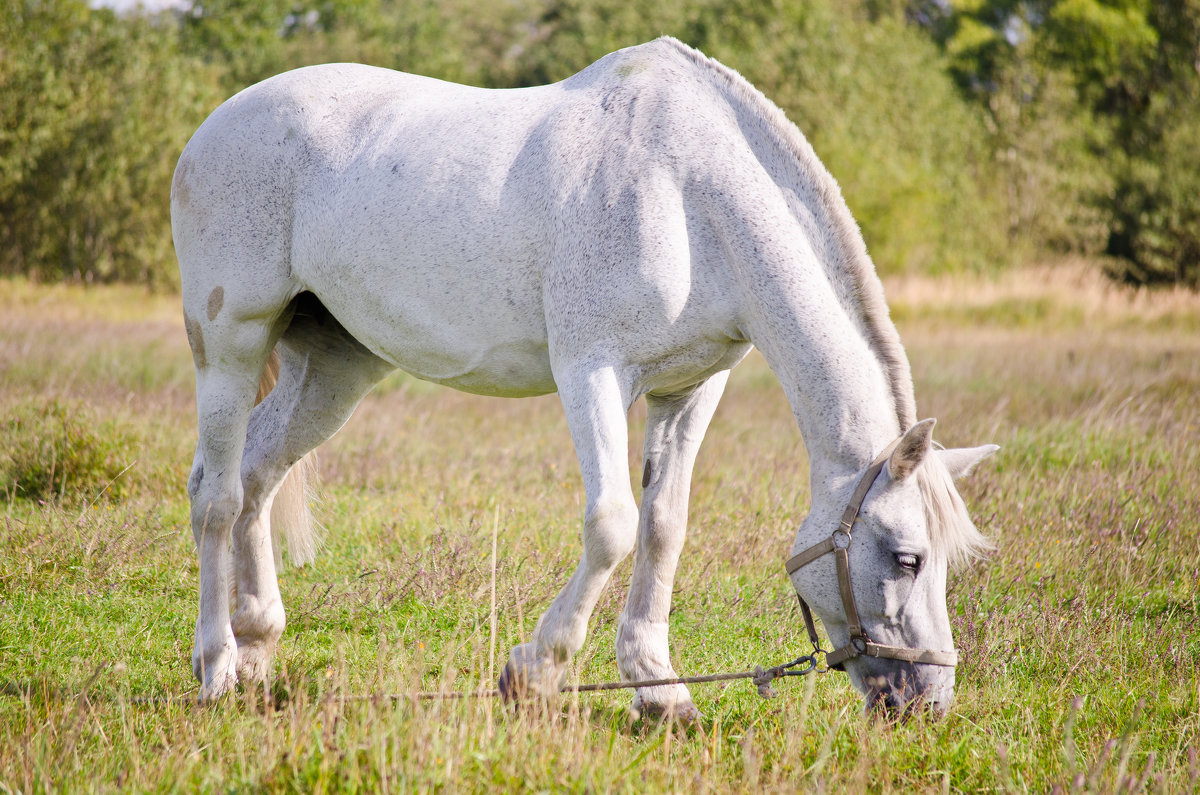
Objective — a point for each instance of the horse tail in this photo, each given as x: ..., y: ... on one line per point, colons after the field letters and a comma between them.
x: 291, y: 517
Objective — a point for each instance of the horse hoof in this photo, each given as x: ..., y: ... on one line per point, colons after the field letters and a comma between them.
x: 511, y: 684
x: 526, y: 676
x: 679, y: 712
x: 254, y: 662
x: 217, y: 674
x: 216, y: 688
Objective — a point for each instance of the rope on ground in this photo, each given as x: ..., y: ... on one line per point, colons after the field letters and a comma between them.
x: 762, y: 678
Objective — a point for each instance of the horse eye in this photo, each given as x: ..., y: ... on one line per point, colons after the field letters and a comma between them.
x: 907, y: 561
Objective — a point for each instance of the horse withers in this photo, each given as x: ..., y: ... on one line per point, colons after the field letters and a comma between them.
x: 628, y: 232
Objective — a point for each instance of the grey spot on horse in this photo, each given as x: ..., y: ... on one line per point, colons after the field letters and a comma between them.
x: 627, y: 70
x: 646, y: 475
x: 179, y: 185
x: 196, y: 340
x: 216, y: 300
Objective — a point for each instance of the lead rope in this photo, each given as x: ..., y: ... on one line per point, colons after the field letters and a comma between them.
x: 762, y: 677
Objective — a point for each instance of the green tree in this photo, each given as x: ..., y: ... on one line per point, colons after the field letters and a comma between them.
x: 1093, y: 105
x: 94, y: 110
x: 96, y: 106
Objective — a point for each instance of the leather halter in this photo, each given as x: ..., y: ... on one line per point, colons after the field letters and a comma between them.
x: 839, y: 544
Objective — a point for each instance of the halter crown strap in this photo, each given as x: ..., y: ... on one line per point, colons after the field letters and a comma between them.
x: 838, y: 544
x: 849, y: 516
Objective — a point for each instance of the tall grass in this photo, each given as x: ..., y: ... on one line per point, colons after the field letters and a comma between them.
x: 1079, y: 637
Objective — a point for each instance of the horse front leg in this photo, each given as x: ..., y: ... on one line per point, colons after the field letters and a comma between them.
x: 675, y: 426
x: 596, y: 411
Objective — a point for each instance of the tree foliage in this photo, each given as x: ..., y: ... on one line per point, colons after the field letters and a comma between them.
x: 1094, y: 111
x: 94, y: 110
x: 965, y: 134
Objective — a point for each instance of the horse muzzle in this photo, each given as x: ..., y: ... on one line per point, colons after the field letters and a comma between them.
x: 900, y: 690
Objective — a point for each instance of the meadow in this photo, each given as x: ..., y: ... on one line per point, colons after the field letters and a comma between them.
x: 1079, y: 636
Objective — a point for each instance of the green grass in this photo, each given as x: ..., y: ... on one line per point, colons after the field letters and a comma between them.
x: 1080, y: 636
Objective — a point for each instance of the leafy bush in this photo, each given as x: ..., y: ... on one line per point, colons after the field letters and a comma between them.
x: 1156, y: 207
x: 1093, y: 105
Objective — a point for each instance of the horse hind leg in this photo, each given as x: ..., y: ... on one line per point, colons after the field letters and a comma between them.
x: 258, y: 619
x: 229, y: 360
x: 675, y: 427
x: 323, y: 374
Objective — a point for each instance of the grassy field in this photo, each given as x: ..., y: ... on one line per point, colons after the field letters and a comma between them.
x: 1079, y: 637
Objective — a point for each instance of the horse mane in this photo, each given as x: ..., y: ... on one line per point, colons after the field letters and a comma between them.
x: 852, y: 271
x: 953, y: 536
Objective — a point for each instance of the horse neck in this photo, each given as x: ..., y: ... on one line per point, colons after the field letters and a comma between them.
x: 836, y: 386
x: 816, y: 309
x: 821, y: 337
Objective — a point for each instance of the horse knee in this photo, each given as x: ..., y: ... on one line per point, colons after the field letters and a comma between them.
x: 610, y: 531
x: 215, y: 505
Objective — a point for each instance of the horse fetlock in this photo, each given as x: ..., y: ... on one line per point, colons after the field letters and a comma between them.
x: 642, y: 649
x: 529, y: 674
x: 257, y: 621
x: 254, y: 661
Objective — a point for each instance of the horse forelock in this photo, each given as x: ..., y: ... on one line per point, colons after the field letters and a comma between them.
x: 953, y: 537
x: 852, y: 269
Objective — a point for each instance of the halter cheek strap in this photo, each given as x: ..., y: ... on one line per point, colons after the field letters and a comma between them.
x: 838, y: 544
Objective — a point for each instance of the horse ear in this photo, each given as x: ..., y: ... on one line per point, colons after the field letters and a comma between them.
x: 912, y: 449
x: 961, y: 461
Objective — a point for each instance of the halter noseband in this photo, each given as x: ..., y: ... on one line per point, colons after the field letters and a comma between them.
x: 838, y: 544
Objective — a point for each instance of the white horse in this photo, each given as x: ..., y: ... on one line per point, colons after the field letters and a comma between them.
x: 628, y: 232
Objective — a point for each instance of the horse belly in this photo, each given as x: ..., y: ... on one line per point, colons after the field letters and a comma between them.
x: 465, y: 341
x: 473, y: 323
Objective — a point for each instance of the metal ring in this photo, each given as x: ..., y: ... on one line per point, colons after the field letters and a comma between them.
x: 812, y: 666
x: 841, y: 538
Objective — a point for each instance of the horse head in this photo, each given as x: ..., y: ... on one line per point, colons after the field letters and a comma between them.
x: 899, y: 526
